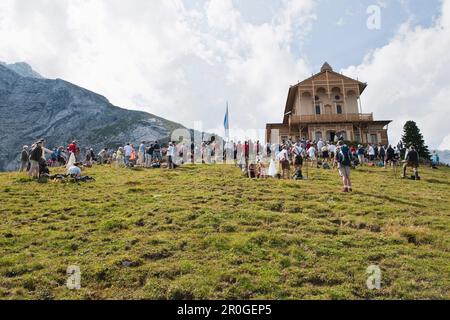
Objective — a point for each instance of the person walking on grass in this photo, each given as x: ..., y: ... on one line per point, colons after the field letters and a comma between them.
x: 299, y: 153
x: 435, y: 160
x: 157, y: 151
x: 74, y: 149
x: 382, y: 155
x: 120, y: 157
x: 149, y: 155
x: 171, y: 156
x: 371, y: 153
x: 36, y: 154
x: 343, y: 159
x: 283, y: 158
x: 141, y: 153
x: 24, y: 158
x: 312, y: 154
x: 128, y: 149
x: 361, y: 152
x: 390, y: 157
x: 412, y: 160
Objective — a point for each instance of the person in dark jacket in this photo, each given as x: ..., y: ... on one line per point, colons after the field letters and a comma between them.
x: 343, y: 158
x: 35, y: 156
x: 382, y: 154
x: 412, y: 160
x: 24, y: 158
x: 390, y: 156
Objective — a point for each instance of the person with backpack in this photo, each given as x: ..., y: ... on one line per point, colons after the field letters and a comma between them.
x: 390, y: 156
x: 312, y: 154
x: 24, y: 158
x: 361, y: 152
x: 343, y: 159
x: 299, y: 153
x: 412, y: 160
x: 36, y: 154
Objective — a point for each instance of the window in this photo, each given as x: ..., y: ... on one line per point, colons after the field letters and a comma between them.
x: 318, y: 135
x: 358, y: 137
x: 337, y: 97
x: 316, y: 98
x: 339, y: 109
x: 374, y: 138
x: 317, y: 109
x: 342, y: 135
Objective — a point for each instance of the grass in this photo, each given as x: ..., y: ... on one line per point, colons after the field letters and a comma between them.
x: 205, y: 232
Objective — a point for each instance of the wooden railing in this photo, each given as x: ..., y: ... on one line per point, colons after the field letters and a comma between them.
x: 331, y: 117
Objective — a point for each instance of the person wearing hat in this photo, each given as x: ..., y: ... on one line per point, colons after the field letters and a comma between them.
x: 24, y: 158
x: 36, y: 154
x: 75, y: 171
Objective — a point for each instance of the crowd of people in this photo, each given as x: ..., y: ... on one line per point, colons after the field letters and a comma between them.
x: 256, y: 160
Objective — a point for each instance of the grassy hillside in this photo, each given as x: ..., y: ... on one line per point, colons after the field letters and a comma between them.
x: 205, y: 232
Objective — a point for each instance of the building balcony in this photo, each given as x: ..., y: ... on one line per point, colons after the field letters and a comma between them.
x: 331, y: 118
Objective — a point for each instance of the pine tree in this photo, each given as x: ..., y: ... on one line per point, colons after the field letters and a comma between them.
x: 413, y: 137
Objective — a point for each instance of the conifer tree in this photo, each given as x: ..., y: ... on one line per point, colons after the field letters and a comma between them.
x: 413, y: 137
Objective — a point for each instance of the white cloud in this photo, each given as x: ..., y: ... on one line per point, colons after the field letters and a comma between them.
x: 409, y: 79
x: 183, y: 64
x: 445, y: 145
x: 340, y: 22
x: 160, y: 57
x: 222, y: 15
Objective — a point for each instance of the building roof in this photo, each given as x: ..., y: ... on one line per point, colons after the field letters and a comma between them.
x: 325, y: 68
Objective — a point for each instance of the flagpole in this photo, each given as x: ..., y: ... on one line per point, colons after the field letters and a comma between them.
x: 228, y: 116
x: 226, y: 124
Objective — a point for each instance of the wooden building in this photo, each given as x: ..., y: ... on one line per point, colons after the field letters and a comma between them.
x: 327, y: 106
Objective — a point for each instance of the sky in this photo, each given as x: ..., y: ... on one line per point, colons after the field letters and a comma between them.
x: 184, y: 59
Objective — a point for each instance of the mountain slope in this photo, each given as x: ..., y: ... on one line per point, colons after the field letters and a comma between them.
x: 23, y: 69
x: 33, y: 107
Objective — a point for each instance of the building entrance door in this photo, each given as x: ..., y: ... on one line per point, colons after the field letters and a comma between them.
x: 331, y: 135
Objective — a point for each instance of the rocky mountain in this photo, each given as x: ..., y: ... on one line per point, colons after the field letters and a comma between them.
x: 23, y: 69
x: 32, y: 107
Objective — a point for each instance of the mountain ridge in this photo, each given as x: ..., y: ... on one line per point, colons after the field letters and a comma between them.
x: 23, y: 69
x: 33, y: 107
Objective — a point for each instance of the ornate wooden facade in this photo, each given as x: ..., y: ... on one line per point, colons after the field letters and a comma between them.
x: 327, y: 105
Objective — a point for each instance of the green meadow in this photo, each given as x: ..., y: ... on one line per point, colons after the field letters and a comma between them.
x: 206, y: 232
